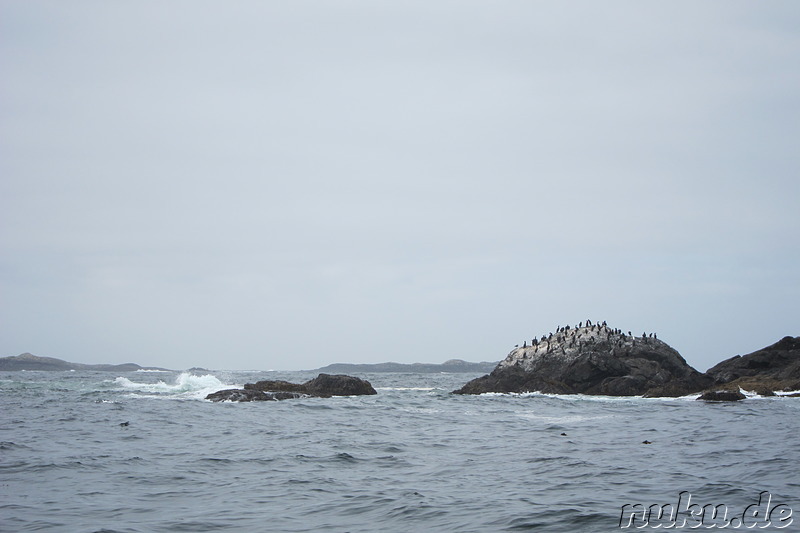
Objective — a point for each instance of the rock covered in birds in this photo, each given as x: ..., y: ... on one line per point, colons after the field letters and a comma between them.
x: 592, y: 359
x: 323, y: 386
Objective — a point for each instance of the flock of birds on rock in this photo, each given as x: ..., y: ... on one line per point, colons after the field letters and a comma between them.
x: 572, y: 336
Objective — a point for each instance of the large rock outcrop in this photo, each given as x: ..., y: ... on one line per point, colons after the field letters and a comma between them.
x: 774, y: 368
x: 593, y: 359
x: 322, y: 386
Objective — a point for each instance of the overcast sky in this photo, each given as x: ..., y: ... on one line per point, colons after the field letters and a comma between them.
x: 283, y: 185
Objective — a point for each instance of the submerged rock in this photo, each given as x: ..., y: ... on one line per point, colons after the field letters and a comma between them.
x: 323, y: 386
x: 593, y: 360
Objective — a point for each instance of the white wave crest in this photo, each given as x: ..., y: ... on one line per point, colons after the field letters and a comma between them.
x: 186, y: 386
x: 406, y: 388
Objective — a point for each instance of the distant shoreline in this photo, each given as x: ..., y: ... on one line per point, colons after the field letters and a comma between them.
x: 452, y: 366
x: 32, y: 362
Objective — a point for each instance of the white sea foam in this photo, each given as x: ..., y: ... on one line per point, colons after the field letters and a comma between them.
x: 569, y: 397
x: 406, y: 388
x: 151, y: 370
x: 753, y: 394
x: 186, y: 386
x: 569, y: 419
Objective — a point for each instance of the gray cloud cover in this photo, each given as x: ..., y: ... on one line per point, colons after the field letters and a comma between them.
x: 288, y: 184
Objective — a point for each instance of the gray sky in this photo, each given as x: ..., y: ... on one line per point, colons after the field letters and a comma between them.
x: 282, y: 185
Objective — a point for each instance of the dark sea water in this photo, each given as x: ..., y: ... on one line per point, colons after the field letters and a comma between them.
x: 412, y: 458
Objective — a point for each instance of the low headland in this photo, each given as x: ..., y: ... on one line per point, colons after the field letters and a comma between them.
x: 27, y: 361
x: 453, y: 366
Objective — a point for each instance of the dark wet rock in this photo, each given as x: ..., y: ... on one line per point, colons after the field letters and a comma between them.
x: 722, y: 396
x: 323, y: 386
x: 326, y: 385
x: 774, y: 368
x: 593, y: 360
x: 678, y: 387
x: 276, y: 385
x: 250, y: 395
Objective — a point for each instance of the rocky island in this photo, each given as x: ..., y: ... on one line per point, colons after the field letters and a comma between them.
x: 593, y: 359
x: 27, y: 361
x: 774, y: 368
x: 322, y: 386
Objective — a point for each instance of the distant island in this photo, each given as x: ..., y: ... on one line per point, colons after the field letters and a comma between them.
x: 453, y: 366
x: 29, y: 361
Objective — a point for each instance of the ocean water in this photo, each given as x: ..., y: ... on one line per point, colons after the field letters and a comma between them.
x: 412, y: 458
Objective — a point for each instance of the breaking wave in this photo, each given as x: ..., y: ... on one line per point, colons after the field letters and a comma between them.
x: 186, y: 385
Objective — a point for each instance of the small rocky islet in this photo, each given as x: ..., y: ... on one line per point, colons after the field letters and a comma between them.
x: 322, y: 386
x: 595, y: 359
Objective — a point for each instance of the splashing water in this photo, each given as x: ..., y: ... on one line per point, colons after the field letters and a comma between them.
x: 186, y: 386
